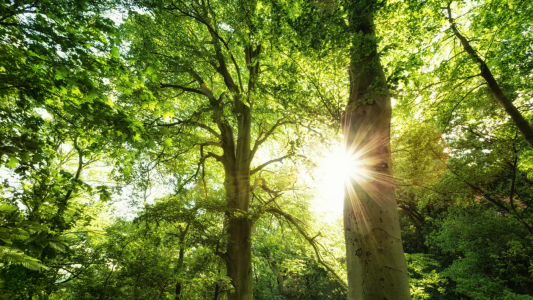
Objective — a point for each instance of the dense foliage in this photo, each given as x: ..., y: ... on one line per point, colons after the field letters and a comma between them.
x: 118, y: 121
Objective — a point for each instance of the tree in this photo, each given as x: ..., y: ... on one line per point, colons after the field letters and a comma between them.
x: 523, y: 126
x: 374, y: 253
x: 222, y: 87
x: 373, y: 238
x: 485, y: 158
x: 56, y: 119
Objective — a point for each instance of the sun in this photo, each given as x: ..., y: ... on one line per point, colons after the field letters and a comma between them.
x: 336, y: 169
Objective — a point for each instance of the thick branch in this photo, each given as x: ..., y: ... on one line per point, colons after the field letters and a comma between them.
x: 211, y: 130
x: 252, y: 64
x: 213, y: 155
x: 222, y: 69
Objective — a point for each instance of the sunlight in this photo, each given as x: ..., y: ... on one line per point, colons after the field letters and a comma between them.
x: 335, y: 170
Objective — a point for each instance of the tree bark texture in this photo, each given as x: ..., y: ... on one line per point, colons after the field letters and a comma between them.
x: 239, y: 229
x: 376, y: 264
x: 236, y: 160
x: 238, y: 256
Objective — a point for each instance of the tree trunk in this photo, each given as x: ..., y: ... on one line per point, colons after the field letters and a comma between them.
x: 239, y: 258
x: 217, y: 291
x: 376, y: 264
x: 238, y: 255
x: 179, y: 266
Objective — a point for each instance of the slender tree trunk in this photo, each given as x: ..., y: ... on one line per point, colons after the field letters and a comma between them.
x: 376, y: 264
x: 135, y: 289
x: 519, y: 121
x: 217, y: 291
x: 180, y: 265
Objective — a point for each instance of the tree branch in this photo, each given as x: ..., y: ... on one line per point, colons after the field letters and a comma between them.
x: 261, y: 139
x: 259, y: 168
x: 309, y: 239
x: 505, y: 103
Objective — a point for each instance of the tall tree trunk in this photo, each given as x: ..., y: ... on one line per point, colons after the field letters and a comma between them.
x: 180, y: 265
x: 237, y: 158
x: 377, y: 269
x: 239, y: 262
x: 239, y: 249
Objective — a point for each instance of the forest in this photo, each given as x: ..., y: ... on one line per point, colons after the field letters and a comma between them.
x: 266, y: 149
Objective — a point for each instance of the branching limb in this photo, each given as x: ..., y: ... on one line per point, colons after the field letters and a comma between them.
x: 63, y: 205
x: 222, y: 69
x: 253, y: 65
x: 310, y: 240
x: 263, y: 186
x: 213, y: 155
x: 505, y: 103
x: 262, y: 166
x: 264, y: 136
x: 211, y: 130
x: 489, y: 198
x: 188, y: 122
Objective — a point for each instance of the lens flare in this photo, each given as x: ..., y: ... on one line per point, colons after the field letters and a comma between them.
x: 337, y: 169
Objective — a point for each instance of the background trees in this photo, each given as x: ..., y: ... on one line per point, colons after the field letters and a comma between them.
x: 98, y: 115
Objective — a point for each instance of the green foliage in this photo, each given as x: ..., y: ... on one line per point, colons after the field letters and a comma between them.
x: 18, y: 234
x: 82, y: 98
x: 423, y: 276
x: 285, y: 266
x: 493, y: 254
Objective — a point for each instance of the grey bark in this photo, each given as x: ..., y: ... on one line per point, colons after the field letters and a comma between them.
x: 376, y: 264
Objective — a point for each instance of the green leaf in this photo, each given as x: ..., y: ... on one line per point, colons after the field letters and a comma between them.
x: 57, y: 245
x: 12, y: 162
x: 168, y: 142
x: 6, y: 208
x: 115, y: 52
x: 149, y: 70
